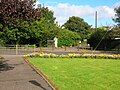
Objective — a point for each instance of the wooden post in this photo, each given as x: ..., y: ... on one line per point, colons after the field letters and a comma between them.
x: 78, y: 48
x: 26, y: 48
x: 65, y: 48
x: 34, y: 48
x: 118, y: 49
x: 16, y: 49
x: 52, y: 46
x: 40, y: 47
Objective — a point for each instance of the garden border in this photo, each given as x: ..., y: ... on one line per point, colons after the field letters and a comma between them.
x: 39, y: 72
x: 74, y: 55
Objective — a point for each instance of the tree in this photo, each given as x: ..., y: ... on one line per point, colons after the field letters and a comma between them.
x: 68, y: 38
x: 117, y: 15
x: 47, y: 15
x: 18, y: 35
x: 15, y: 18
x: 98, y: 39
x: 114, y: 38
x: 104, y: 38
x: 42, y: 31
x: 45, y: 28
x: 115, y: 33
x: 13, y: 10
x: 77, y: 24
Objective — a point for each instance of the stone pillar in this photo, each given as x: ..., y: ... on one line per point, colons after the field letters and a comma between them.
x: 56, y: 42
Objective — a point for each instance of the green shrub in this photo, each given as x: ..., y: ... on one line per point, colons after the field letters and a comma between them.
x: 68, y: 38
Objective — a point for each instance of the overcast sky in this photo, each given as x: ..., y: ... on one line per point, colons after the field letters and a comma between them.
x: 63, y: 9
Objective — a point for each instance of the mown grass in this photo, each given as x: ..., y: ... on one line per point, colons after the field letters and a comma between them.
x: 81, y: 74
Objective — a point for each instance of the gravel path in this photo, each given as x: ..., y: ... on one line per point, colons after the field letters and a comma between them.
x: 15, y: 74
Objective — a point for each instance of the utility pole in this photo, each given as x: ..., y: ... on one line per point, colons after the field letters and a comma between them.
x: 96, y: 17
x: 43, y: 5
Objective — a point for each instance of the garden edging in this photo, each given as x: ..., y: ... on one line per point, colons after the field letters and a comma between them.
x: 39, y: 72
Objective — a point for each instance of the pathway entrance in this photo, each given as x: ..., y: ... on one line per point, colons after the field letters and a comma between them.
x: 15, y: 74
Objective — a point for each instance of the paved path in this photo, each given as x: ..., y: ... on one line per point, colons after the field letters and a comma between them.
x: 17, y: 75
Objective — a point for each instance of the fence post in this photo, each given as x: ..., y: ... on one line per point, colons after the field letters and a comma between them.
x: 40, y: 49
x: 26, y: 49
x: 65, y: 48
x: 34, y: 48
x: 52, y: 46
x: 16, y: 49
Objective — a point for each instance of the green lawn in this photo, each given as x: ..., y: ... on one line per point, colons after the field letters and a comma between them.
x: 81, y: 74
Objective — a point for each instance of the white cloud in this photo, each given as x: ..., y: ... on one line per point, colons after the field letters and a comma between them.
x: 116, y: 4
x: 36, y: 4
x: 63, y: 11
x: 105, y: 12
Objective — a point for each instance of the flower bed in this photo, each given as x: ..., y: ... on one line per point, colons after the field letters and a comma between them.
x: 73, y: 55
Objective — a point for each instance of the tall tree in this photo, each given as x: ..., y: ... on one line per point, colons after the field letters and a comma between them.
x: 47, y: 15
x: 45, y: 28
x: 77, y: 24
x: 117, y: 15
x: 13, y: 10
x: 15, y: 18
x: 68, y: 38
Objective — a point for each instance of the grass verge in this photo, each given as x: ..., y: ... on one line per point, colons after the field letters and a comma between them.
x: 80, y: 73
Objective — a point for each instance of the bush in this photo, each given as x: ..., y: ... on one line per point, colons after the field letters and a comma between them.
x: 68, y: 38
x: 103, y: 39
x: 96, y: 38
